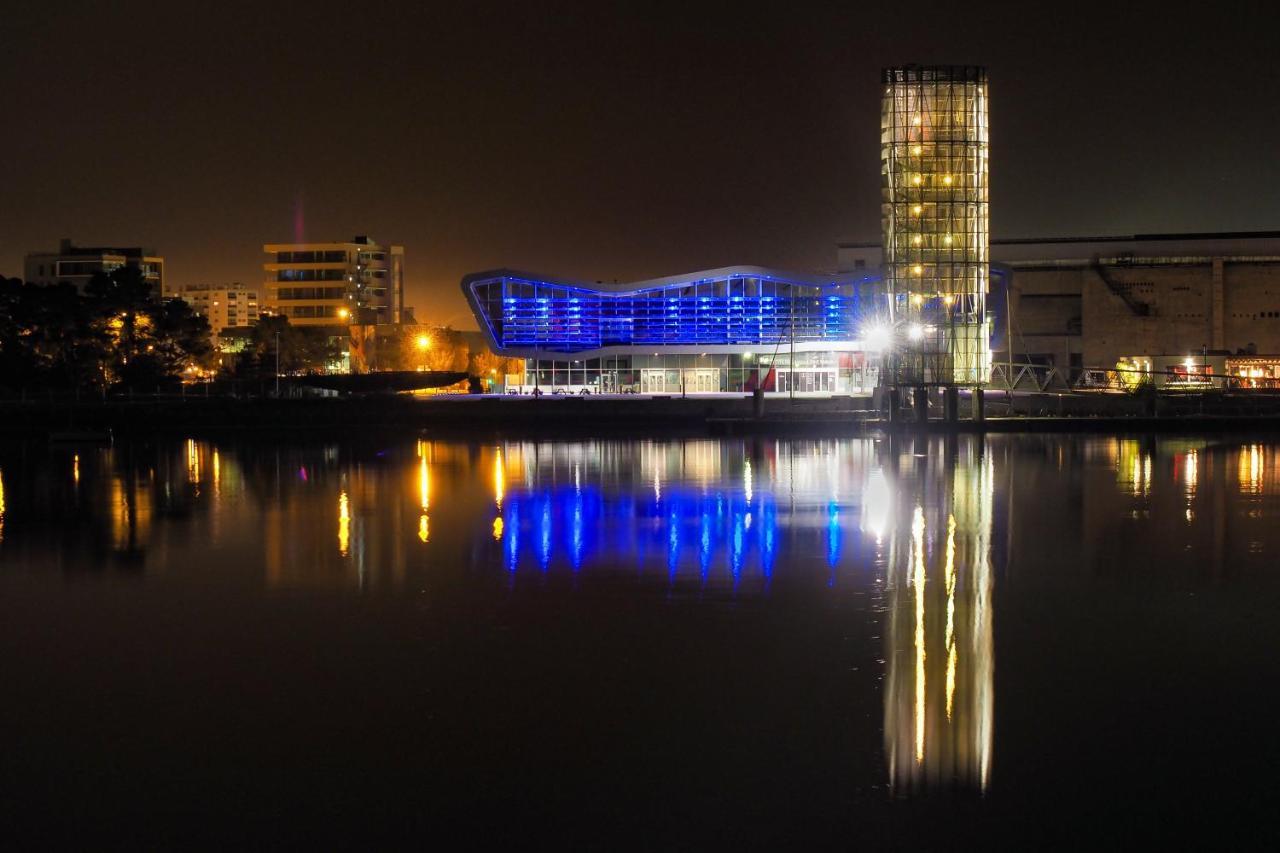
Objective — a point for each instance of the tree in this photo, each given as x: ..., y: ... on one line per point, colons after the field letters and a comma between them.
x: 301, y: 349
x: 49, y: 338
x: 151, y: 340
x: 491, y: 367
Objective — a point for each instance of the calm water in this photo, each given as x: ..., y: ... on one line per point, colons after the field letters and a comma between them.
x: 1027, y: 641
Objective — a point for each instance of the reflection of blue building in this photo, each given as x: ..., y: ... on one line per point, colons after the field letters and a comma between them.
x: 714, y: 536
x: 729, y: 329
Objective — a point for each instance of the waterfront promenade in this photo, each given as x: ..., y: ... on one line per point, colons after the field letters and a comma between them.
x: 720, y: 414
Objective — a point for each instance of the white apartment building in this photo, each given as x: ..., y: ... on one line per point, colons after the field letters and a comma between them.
x: 224, y: 305
x: 328, y: 284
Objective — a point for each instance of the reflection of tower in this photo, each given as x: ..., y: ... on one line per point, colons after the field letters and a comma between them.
x: 933, y: 143
x: 939, y: 695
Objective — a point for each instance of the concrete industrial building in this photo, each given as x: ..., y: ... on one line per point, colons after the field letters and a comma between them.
x: 78, y: 264
x: 1095, y: 301
x: 224, y: 305
x: 324, y: 284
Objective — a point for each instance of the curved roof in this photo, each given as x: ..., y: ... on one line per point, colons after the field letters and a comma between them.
x: 743, y: 270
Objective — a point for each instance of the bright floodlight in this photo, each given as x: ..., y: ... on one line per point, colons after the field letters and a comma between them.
x: 915, y: 332
x: 424, y: 342
x: 877, y: 337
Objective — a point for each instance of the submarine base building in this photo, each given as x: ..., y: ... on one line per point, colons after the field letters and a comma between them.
x: 729, y: 330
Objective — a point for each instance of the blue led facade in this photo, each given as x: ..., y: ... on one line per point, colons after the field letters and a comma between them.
x: 746, y: 307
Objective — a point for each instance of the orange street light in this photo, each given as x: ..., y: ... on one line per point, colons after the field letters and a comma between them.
x: 343, y: 313
x: 424, y: 342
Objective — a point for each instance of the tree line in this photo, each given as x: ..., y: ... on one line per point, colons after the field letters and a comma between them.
x: 117, y: 334
x: 112, y: 334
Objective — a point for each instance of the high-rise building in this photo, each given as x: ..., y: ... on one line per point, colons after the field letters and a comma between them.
x: 933, y: 143
x: 319, y: 284
x: 224, y: 305
x: 77, y: 264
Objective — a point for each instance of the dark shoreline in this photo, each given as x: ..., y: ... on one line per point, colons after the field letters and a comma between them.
x: 497, y: 417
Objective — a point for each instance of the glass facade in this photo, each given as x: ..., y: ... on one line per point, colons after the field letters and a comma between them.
x: 934, y: 198
x: 730, y: 330
x: 732, y: 308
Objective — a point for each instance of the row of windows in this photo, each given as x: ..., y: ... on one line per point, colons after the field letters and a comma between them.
x: 83, y: 267
x: 311, y: 257
x: 311, y: 311
x: 311, y: 275
x: 289, y: 293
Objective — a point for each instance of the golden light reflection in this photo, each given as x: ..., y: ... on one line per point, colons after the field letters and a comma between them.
x: 1191, y: 472
x: 217, y: 475
x: 499, y: 480
x: 949, y: 579
x: 939, y: 679
x: 1133, y: 467
x: 1, y: 504
x: 75, y: 469
x: 424, y: 484
x: 344, y: 524
x: 918, y: 582
x: 497, y: 528
x: 130, y: 513
x: 193, y: 461
x: 1251, y: 467
x: 747, y: 483
x: 424, y: 493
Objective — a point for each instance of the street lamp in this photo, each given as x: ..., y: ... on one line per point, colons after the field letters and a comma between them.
x: 343, y: 314
x: 423, y: 343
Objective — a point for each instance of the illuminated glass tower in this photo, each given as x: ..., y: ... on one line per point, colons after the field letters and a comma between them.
x: 933, y: 144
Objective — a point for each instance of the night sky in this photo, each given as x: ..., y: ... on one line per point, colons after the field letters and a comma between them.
x: 601, y: 141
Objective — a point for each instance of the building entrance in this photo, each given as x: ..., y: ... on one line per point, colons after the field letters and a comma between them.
x: 701, y: 381
x: 807, y: 381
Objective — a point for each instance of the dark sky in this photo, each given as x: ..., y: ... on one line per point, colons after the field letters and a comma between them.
x: 604, y: 141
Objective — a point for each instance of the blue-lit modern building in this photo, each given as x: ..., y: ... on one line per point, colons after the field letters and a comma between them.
x: 733, y: 329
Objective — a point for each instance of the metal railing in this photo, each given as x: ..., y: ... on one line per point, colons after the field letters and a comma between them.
x: 1042, y: 378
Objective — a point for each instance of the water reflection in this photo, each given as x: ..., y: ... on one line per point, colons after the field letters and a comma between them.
x: 693, y: 512
x: 940, y: 688
x: 913, y: 533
